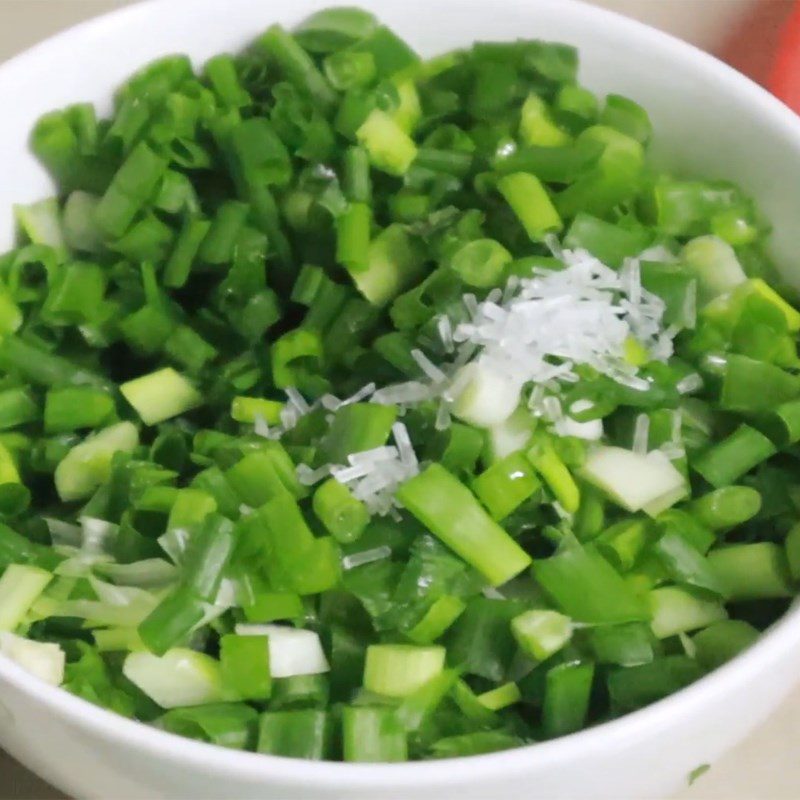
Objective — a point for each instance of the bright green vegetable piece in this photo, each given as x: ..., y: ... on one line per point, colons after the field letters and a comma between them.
x: 501, y: 697
x: 437, y: 619
x: 541, y: 633
x: 87, y: 465
x: 303, y: 733
x: 451, y: 512
x: 20, y: 585
x: 677, y: 610
x: 178, y: 678
x: 726, y: 461
x: 587, y: 588
x: 531, y: 203
x: 505, y: 485
x: 161, y: 395
x: 389, y: 147
x: 397, y: 670
x: 566, y: 698
x: 344, y: 517
x: 244, y: 662
x: 372, y: 734
x: 752, y: 571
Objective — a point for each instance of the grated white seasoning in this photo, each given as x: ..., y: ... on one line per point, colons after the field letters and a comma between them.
x: 535, y: 331
x: 583, y: 314
x: 373, y: 476
x: 366, y: 557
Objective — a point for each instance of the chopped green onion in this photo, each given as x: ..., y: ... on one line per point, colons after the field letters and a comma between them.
x: 161, y: 395
x: 372, y: 734
x: 541, y: 633
x: 304, y: 733
x: 450, y: 511
x: 20, y: 585
x: 397, y: 670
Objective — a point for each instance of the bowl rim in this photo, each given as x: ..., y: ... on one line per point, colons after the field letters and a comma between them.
x: 774, y: 644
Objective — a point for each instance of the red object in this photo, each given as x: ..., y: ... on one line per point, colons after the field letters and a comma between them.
x: 784, y: 79
x: 764, y: 31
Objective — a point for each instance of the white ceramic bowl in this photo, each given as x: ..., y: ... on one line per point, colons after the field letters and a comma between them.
x: 709, y: 121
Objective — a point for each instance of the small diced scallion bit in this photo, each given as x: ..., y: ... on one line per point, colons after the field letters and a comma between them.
x: 721, y: 641
x: 41, y: 222
x: 501, y: 697
x: 437, y: 619
x: 715, y: 263
x: 44, y: 660
x: 397, y: 670
x: 554, y: 472
x: 73, y: 408
x: 393, y: 263
x: 161, y: 395
x: 678, y: 610
x: 178, y: 678
x: 505, y: 485
x: 752, y: 571
x: 637, y: 482
x: 567, y: 692
x: 249, y: 409
x: 372, y: 734
x: 587, y: 588
x: 450, y: 511
x: 291, y: 651
x: 487, y: 397
x: 88, y: 464
x: 530, y: 202
x: 536, y: 125
x: 389, y: 147
x: 541, y: 632
x: 726, y: 507
x: 727, y: 460
x: 245, y: 666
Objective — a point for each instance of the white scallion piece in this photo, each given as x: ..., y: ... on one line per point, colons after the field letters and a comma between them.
x: 180, y: 677
x: 641, y: 434
x: 292, y: 651
x: 689, y: 384
x: 174, y: 543
x: 591, y: 431
x: 98, y: 534
x: 637, y: 482
x: 41, y: 659
x: 260, y: 427
x: 147, y: 574
x: 64, y: 533
x: 716, y: 265
x: 488, y: 398
x: 512, y: 434
x: 297, y: 400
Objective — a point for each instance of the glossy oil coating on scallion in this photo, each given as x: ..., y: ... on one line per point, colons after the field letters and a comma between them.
x: 360, y: 407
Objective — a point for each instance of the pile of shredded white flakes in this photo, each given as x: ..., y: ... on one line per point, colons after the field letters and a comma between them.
x: 535, y: 332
